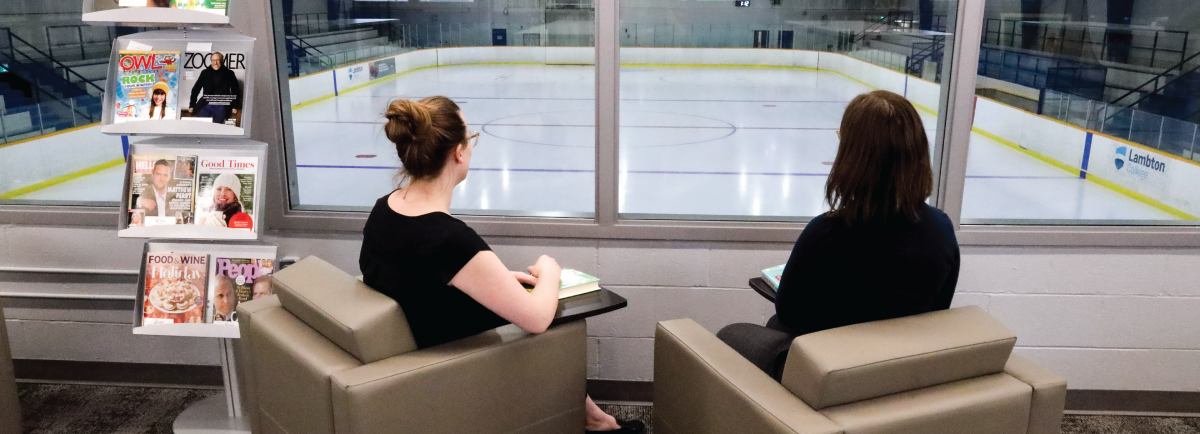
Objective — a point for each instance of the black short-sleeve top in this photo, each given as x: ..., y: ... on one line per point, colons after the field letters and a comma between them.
x: 412, y: 259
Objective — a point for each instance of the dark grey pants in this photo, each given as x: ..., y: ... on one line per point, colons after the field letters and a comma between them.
x: 766, y: 347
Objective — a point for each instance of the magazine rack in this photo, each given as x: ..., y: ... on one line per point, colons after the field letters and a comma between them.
x: 109, y: 12
x: 213, y: 249
x: 201, y: 148
x: 221, y: 413
x: 194, y: 47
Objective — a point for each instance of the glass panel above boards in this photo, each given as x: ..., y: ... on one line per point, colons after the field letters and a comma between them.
x: 731, y: 110
x: 53, y: 71
x: 522, y: 73
x: 1086, y: 113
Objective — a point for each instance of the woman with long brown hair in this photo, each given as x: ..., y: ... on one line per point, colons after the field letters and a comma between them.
x: 880, y: 252
x: 445, y: 276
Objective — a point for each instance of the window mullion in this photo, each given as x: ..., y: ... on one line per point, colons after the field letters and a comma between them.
x: 608, y: 69
x: 959, y: 110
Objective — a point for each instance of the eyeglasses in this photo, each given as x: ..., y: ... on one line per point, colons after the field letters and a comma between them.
x: 473, y: 138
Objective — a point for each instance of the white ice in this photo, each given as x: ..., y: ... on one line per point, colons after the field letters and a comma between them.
x: 720, y: 142
x: 696, y: 142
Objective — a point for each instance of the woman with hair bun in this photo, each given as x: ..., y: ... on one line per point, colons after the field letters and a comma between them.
x: 880, y: 252
x: 444, y: 276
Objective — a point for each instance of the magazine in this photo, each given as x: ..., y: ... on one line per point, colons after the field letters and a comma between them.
x: 233, y: 281
x: 174, y: 288
x: 212, y: 86
x: 225, y: 192
x: 147, y: 86
x: 161, y: 189
x: 213, y: 6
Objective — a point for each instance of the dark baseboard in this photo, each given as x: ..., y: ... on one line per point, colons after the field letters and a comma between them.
x: 62, y: 371
x: 1134, y: 401
x: 1116, y: 401
x: 627, y: 391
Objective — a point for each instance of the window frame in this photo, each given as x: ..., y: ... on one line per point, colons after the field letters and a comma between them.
x: 954, y: 128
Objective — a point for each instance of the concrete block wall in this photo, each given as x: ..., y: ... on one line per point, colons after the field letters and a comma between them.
x: 1106, y: 318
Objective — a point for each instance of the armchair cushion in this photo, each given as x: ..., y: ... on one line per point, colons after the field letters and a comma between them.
x: 368, y: 325
x: 869, y: 360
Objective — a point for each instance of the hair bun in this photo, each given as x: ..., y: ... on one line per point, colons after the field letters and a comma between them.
x: 407, y: 120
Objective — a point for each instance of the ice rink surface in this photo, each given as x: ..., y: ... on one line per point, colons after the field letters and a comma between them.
x: 695, y: 142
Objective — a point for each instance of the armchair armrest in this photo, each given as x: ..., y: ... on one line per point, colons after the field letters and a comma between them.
x: 501, y: 381
x: 1049, y: 394
x: 10, y: 407
x: 703, y: 386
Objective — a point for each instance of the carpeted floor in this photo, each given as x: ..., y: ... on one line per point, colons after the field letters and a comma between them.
x: 71, y: 409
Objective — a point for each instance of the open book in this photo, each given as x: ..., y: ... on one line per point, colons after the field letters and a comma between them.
x: 572, y: 283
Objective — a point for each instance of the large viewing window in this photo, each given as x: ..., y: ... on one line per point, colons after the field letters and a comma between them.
x: 523, y: 73
x: 610, y: 120
x: 1086, y: 114
x: 730, y: 110
x: 52, y: 74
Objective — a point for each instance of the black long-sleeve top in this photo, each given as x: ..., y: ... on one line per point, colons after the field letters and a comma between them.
x: 840, y: 275
x: 217, y: 82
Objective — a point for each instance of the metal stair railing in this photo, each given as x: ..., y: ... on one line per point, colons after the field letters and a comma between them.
x: 306, y: 46
x: 78, y: 34
x: 40, y: 95
x: 934, y: 48
x: 1155, y: 79
x: 13, y: 54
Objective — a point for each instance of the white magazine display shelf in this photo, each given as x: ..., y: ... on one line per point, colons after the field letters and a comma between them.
x: 220, y: 413
x: 110, y: 12
x: 200, y: 147
x: 185, y: 41
x: 211, y: 248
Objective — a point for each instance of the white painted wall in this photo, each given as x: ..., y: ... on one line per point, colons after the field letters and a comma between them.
x: 1106, y: 318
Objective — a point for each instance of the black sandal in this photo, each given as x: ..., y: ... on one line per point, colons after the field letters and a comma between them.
x: 627, y: 427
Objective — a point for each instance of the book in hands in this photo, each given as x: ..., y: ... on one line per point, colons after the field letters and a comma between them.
x: 773, y: 275
x: 572, y: 283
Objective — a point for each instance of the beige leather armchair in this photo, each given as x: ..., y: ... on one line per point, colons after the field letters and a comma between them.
x: 327, y: 354
x: 949, y: 371
x: 10, y: 408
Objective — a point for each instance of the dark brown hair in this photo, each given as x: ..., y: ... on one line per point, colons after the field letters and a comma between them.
x: 425, y: 133
x: 882, y: 170
x: 163, y: 106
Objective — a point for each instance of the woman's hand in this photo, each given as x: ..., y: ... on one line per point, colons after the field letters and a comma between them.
x: 545, y: 265
x: 525, y: 278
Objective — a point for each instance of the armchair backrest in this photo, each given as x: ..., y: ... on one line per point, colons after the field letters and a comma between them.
x: 366, y: 324
x: 870, y: 360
